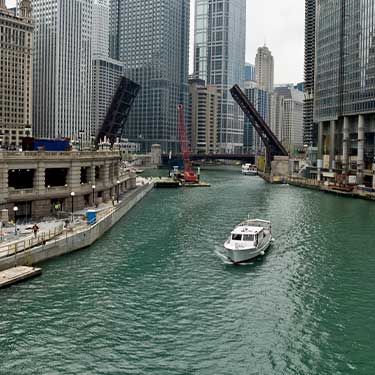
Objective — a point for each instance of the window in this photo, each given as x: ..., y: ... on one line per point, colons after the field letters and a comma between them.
x: 237, y: 237
x: 248, y: 237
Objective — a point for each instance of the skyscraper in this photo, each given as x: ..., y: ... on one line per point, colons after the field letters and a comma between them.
x: 16, y: 60
x: 261, y: 101
x: 291, y: 127
x: 309, y: 131
x: 62, y: 68
x: 249, y: 72
x: 344, y: 92
x: 264, y: 69
x: 219, y: 58
x: 100, y: 28
x: 151, y: 38
x: 106, y: 72
x: 204, y: 103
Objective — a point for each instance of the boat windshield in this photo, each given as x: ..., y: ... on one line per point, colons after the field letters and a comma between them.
x: 248, y: 237
x: 237, y: 237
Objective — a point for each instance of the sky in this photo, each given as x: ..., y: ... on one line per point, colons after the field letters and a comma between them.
x: 277, y: 23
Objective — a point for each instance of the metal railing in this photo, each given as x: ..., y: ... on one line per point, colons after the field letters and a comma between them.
x: 27, y: 243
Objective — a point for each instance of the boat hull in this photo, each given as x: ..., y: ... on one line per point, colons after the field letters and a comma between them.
x: 249, y: 173
x: 244, y: 255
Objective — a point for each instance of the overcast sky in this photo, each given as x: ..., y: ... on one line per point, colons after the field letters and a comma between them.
x: 279, y: 24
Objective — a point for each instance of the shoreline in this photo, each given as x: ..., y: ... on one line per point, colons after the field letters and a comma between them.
x: 78, y: 239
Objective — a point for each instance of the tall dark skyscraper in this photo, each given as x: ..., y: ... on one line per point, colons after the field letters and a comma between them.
x: 151, y: 38
x: 309, y: 131
x: 344, y: 93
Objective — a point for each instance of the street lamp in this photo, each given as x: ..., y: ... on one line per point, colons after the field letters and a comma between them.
x: 93, y: 194
x: 72, y: 194
x: 80, y: 137
x: 118, y: 191
x: 15, y: 209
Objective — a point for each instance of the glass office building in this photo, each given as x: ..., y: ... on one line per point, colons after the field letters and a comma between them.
x: 151, y: 38
x: 344, y: 97
x: 219, y: 59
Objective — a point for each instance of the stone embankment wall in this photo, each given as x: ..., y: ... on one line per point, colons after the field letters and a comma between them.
x: 76, y: 240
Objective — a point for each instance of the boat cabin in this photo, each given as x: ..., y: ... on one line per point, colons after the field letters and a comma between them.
x: 247, y: 234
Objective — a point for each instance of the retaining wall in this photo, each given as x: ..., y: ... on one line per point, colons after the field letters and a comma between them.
x: 70, y: 242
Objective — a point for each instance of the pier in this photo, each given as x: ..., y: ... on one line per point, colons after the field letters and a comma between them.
x: 17, y: 274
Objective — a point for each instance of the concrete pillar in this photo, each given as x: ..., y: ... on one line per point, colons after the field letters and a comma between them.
x: 361, y: 148
x: 4, y: 183
x: 74, y: 177
x: 345, y: 145
x: 40, y: 178
x: 332, y: 132
x: 105, y: 175
x: 320, y: 140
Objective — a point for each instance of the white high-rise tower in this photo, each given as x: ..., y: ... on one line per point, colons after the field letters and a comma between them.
x: 264, y: 69
x: 62, y: 68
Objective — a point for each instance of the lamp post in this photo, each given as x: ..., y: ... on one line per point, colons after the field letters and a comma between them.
x: 93, y: 195
x: 118, y: 191
x: 15, y: 209
x: 72, y: 194
x: 80, y: 137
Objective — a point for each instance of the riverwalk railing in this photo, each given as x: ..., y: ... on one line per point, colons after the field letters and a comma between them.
x: 27, y: 243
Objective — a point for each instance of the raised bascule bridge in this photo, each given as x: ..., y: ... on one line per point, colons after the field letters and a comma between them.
x: 274, y: 148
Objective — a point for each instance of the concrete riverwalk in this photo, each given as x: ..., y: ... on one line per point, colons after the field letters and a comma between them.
x: 75, y: 237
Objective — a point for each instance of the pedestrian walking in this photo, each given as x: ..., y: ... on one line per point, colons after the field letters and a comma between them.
x: 35, y: 230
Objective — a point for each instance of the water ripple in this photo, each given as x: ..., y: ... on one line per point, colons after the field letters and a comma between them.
x: 152, y: 297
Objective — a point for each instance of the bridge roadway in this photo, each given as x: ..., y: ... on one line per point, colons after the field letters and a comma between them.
x: 246, y: 158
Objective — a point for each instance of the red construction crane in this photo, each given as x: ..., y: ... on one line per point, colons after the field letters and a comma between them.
x: 189, y: 174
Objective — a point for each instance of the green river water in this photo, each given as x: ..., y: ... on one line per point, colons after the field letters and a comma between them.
x: 152, y: 297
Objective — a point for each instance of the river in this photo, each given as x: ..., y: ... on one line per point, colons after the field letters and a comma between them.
x: 152, y: 297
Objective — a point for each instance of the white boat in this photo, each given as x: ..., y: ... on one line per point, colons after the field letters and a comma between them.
x: 248, y: 240
x: 249, y: 169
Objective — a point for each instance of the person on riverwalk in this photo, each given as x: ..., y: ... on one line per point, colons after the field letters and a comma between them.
x: 35, y: 230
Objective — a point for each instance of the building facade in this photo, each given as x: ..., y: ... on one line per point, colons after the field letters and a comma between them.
x: 36, y: 181
x: 290, y: 130
x: 62, y: 68
x: 344, y: 92
x: 151, y: 38
x: 249, y: 72
x: 264, y: 69
x: 100, y: 28
x: 106, y: 75
x: 204, y: 106
x: 219, y: 58
x: 309, y: 130
x: 16, y: 61
x: 261, y: 101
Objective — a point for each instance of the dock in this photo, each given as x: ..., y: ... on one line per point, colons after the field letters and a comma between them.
x: 17, y: 274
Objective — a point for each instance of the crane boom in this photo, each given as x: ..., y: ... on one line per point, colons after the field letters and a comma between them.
x: 189, y: 174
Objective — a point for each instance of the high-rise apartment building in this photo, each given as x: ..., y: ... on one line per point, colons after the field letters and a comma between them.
x: 16, y: 60
x: 309, y: 130
x: 62, y: 68
x: 264, y: 69
x: 344, y: 92
x: 204, y: 105
x: 290, y: 130
x: 219, y: 58
x: 151, y: 38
